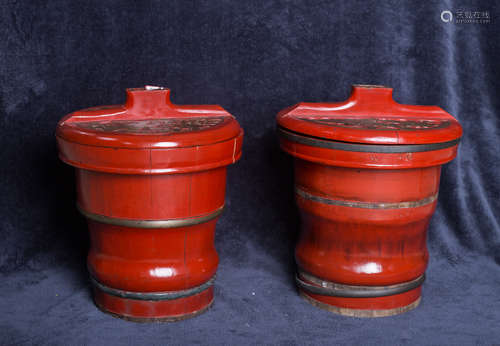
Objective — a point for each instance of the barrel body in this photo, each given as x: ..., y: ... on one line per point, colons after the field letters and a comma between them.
x: 152, y: 253
x: 364, y: 228
x: 367, y: 173
x: 151, y: 178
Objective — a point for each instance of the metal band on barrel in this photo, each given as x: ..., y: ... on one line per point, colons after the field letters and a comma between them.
x: 171, y: 223
x: 366, y: 148
x: 332, y: 289
x: 365, y: 205
x: 167, y: 295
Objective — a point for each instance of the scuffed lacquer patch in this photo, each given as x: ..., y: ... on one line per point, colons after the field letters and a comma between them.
x: 381, y: 124
x: 153, y: 126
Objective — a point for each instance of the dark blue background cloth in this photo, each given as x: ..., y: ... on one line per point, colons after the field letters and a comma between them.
x: 253, y: 58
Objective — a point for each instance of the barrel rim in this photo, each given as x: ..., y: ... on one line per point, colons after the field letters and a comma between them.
x: 168, y: 223
x: 152, y: 296
x: 333, y: 289
x: 362, y: 147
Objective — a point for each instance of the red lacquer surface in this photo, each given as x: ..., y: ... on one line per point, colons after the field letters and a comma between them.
x: 151, y: 160
x: 370, y: 115
x: 363, y: 243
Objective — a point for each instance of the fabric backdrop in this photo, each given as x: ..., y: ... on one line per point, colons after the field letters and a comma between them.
x: 253, y: 58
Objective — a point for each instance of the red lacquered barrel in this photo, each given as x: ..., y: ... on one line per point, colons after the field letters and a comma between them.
x: 151, y: 180
x: 367, y: 176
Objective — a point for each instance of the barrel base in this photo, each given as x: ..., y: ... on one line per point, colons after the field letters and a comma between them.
x: 154, y: 311
x: 360, y: 312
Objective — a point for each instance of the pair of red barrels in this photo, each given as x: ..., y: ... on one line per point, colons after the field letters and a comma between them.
x: 151, y: 179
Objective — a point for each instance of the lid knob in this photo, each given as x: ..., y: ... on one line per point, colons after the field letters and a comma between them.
x: 364, y: 93
x: 148, y: 99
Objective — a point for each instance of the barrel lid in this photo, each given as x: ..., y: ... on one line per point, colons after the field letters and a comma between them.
x: 148, y: 119
x: 149, y: 135
x: 371, y: 116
